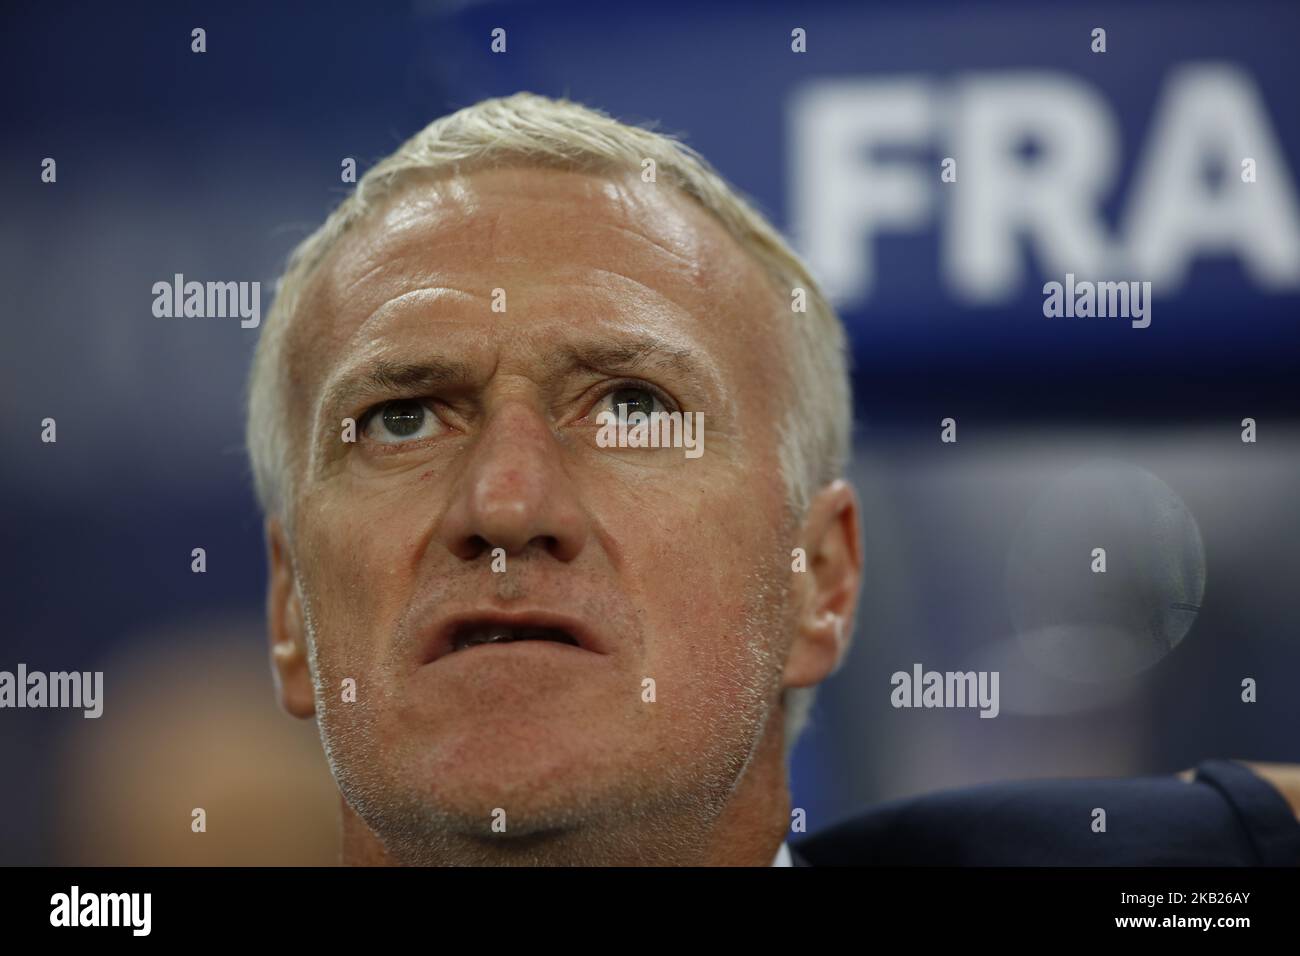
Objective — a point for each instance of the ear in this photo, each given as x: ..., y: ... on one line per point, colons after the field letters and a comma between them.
x: 827, y: 593
x: 289, y: 662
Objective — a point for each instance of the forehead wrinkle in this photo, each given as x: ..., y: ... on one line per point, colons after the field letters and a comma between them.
x: 688, y: 237
x: 676, y: 240
x: 373, y: 338
x: 642, y: 289
x: 314, y: 364
x: 419, y: 300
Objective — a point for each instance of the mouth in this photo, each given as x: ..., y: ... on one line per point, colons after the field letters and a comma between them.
x: 464, y: 633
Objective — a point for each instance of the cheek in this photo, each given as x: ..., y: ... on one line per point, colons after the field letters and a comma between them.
x: 708, y: 576
x: 354, y: 572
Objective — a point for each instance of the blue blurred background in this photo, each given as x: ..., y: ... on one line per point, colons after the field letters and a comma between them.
x: 1124, y: 164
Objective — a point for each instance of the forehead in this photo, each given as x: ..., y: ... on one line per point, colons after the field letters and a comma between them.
x: 573, y: 251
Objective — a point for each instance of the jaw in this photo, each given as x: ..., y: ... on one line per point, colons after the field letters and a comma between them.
x: 740, y: 826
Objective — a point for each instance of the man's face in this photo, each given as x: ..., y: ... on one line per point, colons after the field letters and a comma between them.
x: 476, y: 502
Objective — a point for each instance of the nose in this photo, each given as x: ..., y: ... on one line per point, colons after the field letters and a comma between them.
x: 514, y: 493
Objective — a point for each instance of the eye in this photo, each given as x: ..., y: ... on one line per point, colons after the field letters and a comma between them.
x: 637, y: 398
x: 401, y: 421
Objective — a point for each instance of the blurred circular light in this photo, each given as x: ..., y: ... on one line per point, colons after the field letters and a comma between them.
x: 1087, y: 625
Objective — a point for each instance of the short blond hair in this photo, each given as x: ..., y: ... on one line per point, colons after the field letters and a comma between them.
x: 526, y: 129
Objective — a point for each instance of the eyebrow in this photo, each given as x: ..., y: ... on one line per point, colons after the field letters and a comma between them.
x: 387, y: 377
x: 631, y: 355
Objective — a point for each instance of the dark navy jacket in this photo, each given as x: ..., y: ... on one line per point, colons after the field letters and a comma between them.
x: 1227, y: 817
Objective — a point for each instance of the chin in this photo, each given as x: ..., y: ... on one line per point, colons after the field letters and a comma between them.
x: 509, y: 763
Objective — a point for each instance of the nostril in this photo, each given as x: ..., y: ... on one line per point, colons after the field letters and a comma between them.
x: 475, y: 546
x: 472, y: 547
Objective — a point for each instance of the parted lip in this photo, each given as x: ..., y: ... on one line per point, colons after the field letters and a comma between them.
x: 443, y: 632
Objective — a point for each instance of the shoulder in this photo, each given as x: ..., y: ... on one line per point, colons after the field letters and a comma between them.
x: 1226, y: 816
